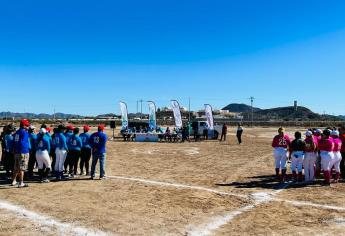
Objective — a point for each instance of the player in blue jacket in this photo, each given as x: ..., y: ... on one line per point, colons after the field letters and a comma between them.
x: 74, y: 147
x: 85, y: 151
x: 42, y: 155
x: 68, y: 134
x: 8, y: 151
x: 21, y: 149
x: 98, y: 143
x: 32, y: 158
x: 61, y: 149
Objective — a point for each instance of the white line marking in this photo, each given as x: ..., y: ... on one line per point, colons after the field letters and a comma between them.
x: 302, y: 203
x: 260, y: 197
x: 46, y: 221
x: 217, y: 222
x: 181, y: 186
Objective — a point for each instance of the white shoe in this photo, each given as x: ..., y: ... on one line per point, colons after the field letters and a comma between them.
x: 14, y: 183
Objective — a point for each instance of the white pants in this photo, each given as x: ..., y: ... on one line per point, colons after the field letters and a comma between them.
x: 309, y: 165
x: 297, y: 159
x: 60, y: 159
x: 43, y: 158
x: 326, y: 160
x: 280, y: 156
x: 336, y: 161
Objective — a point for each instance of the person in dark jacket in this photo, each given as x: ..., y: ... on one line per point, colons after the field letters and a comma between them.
x: 239, y: 133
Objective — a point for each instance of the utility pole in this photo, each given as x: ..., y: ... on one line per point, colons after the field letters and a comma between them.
x: 251, y: 102
x: 137, y: 106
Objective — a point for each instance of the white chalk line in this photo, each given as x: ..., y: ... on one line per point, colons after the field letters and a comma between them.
x: 46, y: 221
x: 260, y: 197
x: 178, y: 186
x: 217, y: 222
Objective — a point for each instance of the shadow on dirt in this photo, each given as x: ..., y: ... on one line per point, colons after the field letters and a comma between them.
x: 268, y: 182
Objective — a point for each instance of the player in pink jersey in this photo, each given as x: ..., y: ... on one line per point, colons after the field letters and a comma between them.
x: 317, y: 137
x: 281, y: 144
x: 326, y: 146
x: 342, y: 151
x: 337, y: 155
x: 309, y: 157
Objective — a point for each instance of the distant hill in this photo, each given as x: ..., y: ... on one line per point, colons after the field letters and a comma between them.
x: 239, y: 108
x: 289, y: 113
x: 16, y: 115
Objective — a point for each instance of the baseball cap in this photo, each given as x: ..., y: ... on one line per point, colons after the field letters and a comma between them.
x: 31, y: 127
x: 327, y: 132
x: 25, y: 123
x: 335, y: 133
x: 43, y: 131
x: 318, y: 131
x: 70, y: 127
x: 309, y: 133
x: 101, y: 127
x: 48, y: 129
x: 281, y: 129
x: 86, y: 127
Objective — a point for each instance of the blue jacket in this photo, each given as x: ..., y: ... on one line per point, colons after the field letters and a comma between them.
x: 21, y: 142
x: 43, y: 143
x: 33, y: 138
x: 68, y: 135
x: 9, y: 140
x: 60, y: 141
x: 85, y: 138
x: 98, y: 142
x: 74, y: 143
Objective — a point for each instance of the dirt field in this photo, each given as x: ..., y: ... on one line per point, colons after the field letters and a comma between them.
x: 205, y: 188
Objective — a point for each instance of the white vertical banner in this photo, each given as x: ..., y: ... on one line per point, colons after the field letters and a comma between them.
x: 124, y: 115
x: 152, y: 115
x: 209, y: 116
x: 177, y: 113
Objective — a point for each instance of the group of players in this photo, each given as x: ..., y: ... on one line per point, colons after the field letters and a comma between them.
x: 58, y: 152
x: 320, y: 151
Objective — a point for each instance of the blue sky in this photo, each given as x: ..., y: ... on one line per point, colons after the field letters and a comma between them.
x: 85, y: 56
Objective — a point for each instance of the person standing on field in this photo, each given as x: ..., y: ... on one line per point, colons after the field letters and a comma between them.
x: 61, y: 149
x: 309, y: 157
x: 281, y: 144
x: 74, y: 147
x: 224, y: 132
x: 42, y: 155
x: 21, y: 153
x: 342, y: 151
x: 337, y: 154
x: 239, y: 133
x: 98, y: 143
x: 297, y: 149
x: 69, y: 161
x: 85, y: 151
x: 32, y: 158
x: 326, y: 147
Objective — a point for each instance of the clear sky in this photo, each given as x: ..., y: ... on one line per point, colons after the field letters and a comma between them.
x: 85, y: 56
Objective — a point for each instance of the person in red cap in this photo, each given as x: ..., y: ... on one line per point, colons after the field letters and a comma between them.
x: 98, y: 143
x: 85, y: 151
x: 21, y: 153
x: 68, y: 134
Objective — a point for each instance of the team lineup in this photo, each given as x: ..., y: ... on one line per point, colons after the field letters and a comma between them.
x: 60, y: 153
x: 320, y: 151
